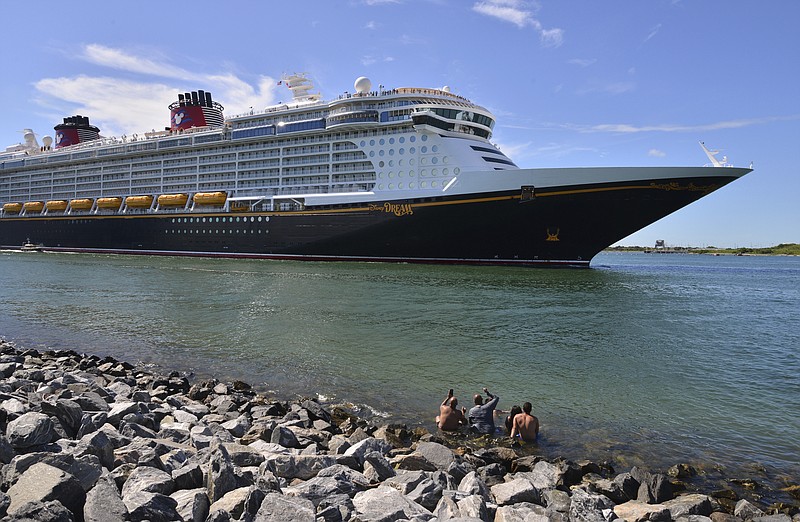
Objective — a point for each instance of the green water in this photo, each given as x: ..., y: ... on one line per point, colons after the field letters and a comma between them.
x: 652, y: 359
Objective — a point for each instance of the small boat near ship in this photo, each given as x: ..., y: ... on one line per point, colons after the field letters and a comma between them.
x: 398, y: 175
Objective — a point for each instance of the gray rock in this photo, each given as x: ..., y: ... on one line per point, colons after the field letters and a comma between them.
x: 637, y: 511
x: 5, y: 501
x: 232, y: 502
x: 655, y: 489
x: 13, y: 407
x: 41, y: 483
x: 237, y: 427
x: 524, y: 511
x: 6, y: 451
x: 447, y: 508
x: 544, y: 475
x: 242, y: 455
x: 30, y: 429
x: 221, y: 477
x: 334, y: 480
x: 98, y: 444
x: 152, y: 507
x: 192, y: 504
x: 279, y: 508
x: 119, y: 410
x: 285, y: 437
x: 515, y: 491
x: 406, y: 481
x: 377, y: 467
x: 427, y: 494
x: 189, y: 476
x: 387, y: 504
x: 104, y: 503
x: 438, y: 454
x: 148, y: 479
x: 685, y: 505
x: 365, y: 446
x: 472, y: 484
x: 335, y: 508
x: 68, y: 413
x: 556, y: 500
x: 412, y: 462
x: 587, y: 507
x: 747, y: 511
x: 628, y: 485
x: 781, y: 517
x: 50, y: 511
x: 473, y: 506
x: 91, y: 401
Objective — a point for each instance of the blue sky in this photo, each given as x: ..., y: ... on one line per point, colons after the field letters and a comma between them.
x: 572, y: 83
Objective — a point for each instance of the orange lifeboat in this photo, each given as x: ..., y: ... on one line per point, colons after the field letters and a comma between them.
x: 139, y: 201
x: 33, y: 206
x: 112, y: 203
x: 172, y: 200
x: 56, y: 205
x: 12, y: 208
x: 81, y: 204
x: 210, y: 198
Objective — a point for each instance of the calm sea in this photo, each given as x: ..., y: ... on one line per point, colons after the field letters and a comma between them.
x: 644, y: 359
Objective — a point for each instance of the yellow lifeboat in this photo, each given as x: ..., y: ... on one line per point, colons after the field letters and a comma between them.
x: 12, y: 208
x: 33, y: 206
x: 172, y: 200
x: 139, y: 201
x: 113, y: 203
x: 210, y: 198
x: 81, y: 204
x: 239, y: 207
x: 56, y: 205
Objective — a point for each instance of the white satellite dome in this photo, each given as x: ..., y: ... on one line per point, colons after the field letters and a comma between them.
x: 446, y: 88
x: 47, y: 141
x: 362, y: 85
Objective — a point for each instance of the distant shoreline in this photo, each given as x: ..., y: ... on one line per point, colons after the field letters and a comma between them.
x: 783, y: 249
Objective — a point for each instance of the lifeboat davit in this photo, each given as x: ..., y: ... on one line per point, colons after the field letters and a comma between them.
x: 12, y: 208
x: 81, y: 204
x: 33, y: 206
x: 210, y: 198
x: 113, y: 203
x: 173, y: 200
x: 56, y: 205
x: 139, y: 201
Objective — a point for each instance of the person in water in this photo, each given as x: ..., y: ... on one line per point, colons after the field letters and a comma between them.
x: 450, y: 418
x: 509, y: 422
x: 525, y: 426
x: 481, y: 416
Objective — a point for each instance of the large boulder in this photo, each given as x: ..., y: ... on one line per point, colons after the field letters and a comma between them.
x: 104, y: 503
x: 153, y: 507
x: 279, y: 508
x: 192, y: 504
x: 41, y: 483
x: 386, y: 504
x: 145, y: 478
x: 515, y: 491
x: 31, y: 429
x: 588, y: 507
x: 437, y: 454
x: 686, y: 505
x: 637, y: 511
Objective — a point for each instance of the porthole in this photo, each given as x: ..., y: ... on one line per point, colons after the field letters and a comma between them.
x: 435, y: 172
x: 400, y: 163
x: 411, y: 173
x: 391, y: 174
x: 434, y: 160
x: 423, y: 173
x: 423, y: 149
x: 391, y: 141
x: 445, y: 159
x: 401, y: 151
x: 400, y: 185
x: 423, y: 161
x: 372, y: 154
x: 456, y: 170
x: 391, y: 186
x: 204, y: 220
x: 381, y: 164
x: 424, y: 137
x: 435, y: 148
x: 401, y: 174
x: 412, y: 150
x: 445, y: 171
x: 363, y: 143
x: 434, y: 184
x: 391, y: 163
x: 237, y: 219
x: 401, y: 139
x: 423, y: 184
x: 266, y: 219
x: 412, y: 185
x: 391, y: 152
x: 259, y: 219
x: 412, y: 139
x: 382, y: 142
x: 371, y: 143
x: 411, y: 161
x: 380, y: 186
x: 381, y: 152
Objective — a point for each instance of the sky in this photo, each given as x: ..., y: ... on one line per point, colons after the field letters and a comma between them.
x: 571, y: 83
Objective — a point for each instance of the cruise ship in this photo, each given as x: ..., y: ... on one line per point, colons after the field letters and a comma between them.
x: 395, y: 175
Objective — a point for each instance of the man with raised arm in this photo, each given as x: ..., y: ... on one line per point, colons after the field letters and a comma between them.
x: 450, y: 418
x: 481, y: 416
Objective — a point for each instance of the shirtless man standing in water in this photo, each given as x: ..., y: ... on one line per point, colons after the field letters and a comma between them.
x: 525, y: 425
x: 450, y: 418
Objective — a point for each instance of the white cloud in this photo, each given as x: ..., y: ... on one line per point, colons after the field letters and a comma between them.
x: 624, y: 128
x: 582, y: 62
x: 127, y: 106
x: 371, y: 25
x: 381, y: 2
x: 654, y: 31
x: 656, y: 153
x: 521, y: 14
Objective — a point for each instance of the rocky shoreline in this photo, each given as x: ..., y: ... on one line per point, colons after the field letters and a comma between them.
x: 91, y: 439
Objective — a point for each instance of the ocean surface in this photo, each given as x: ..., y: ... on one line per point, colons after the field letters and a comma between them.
x: 645, y: 359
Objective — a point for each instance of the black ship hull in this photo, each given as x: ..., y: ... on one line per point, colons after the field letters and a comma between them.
x: 557, y: 226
